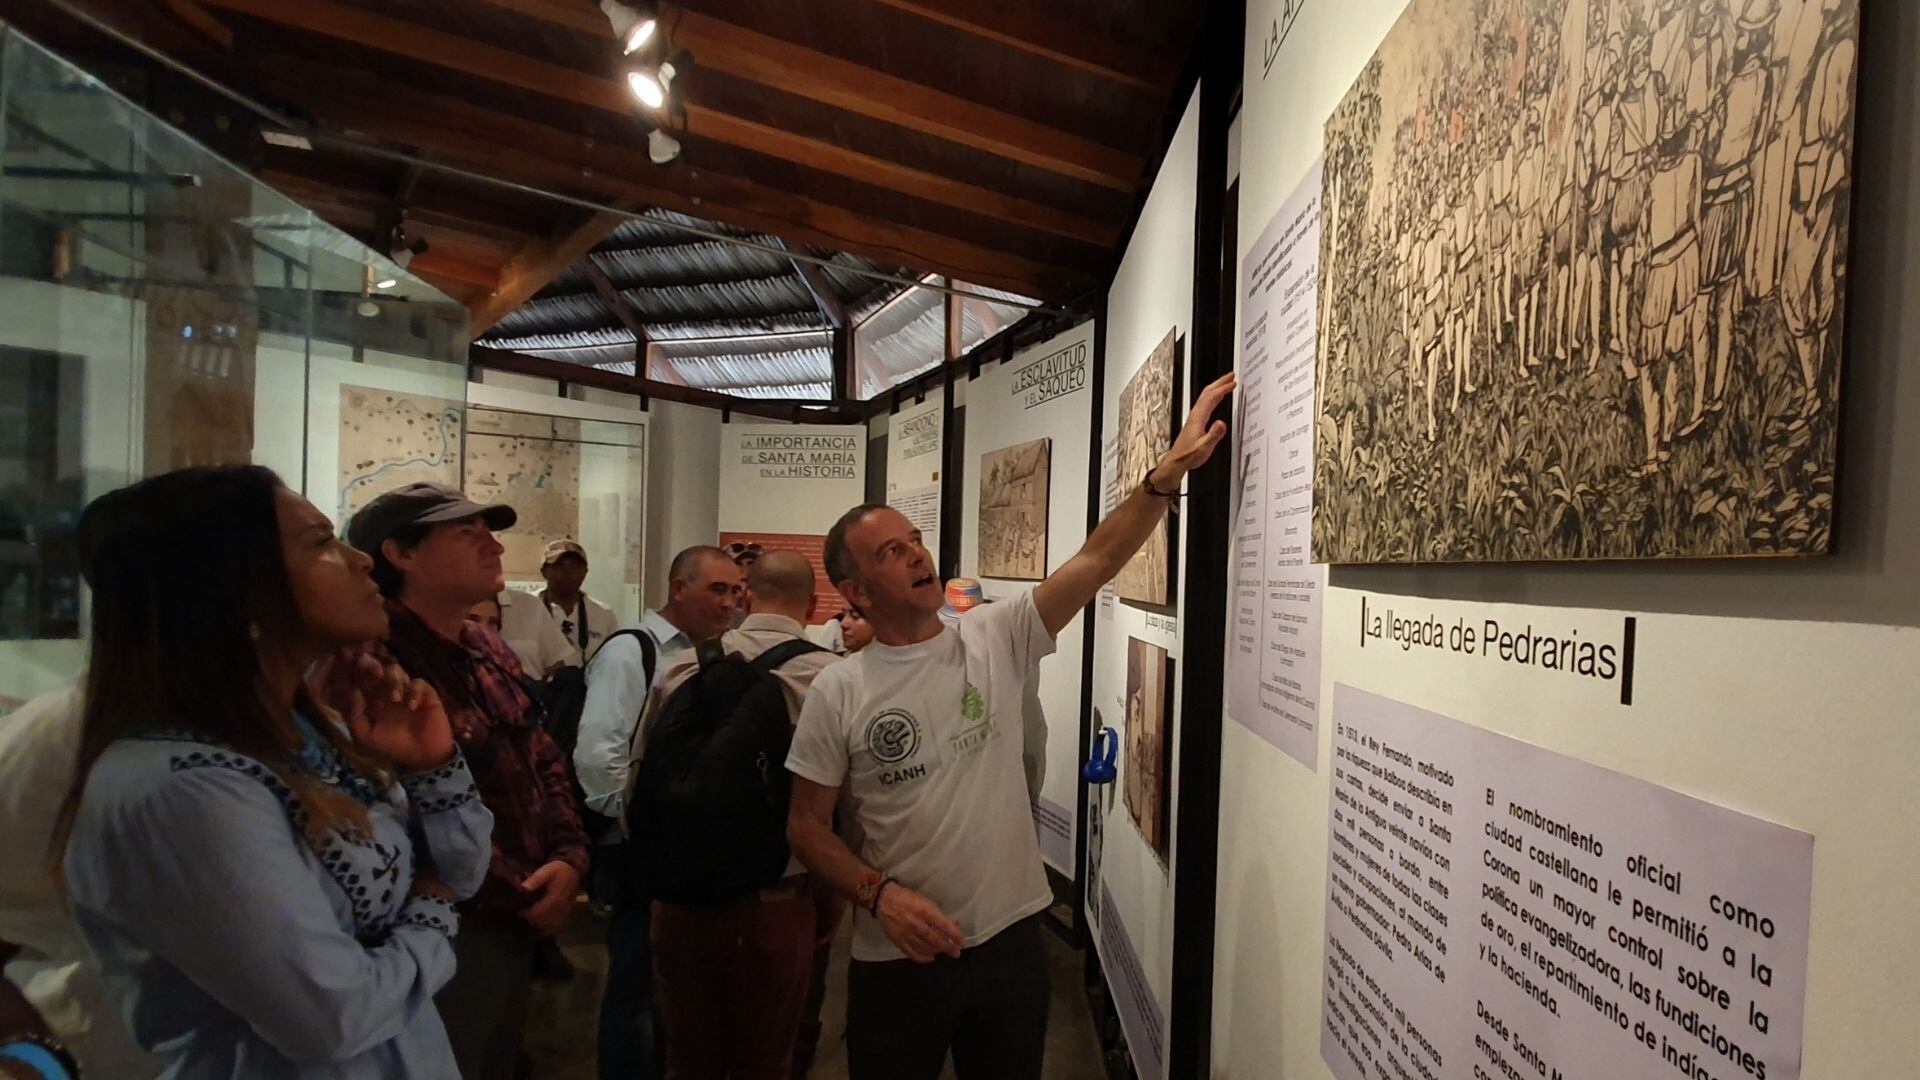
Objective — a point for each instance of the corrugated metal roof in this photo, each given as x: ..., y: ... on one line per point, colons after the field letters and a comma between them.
x: 718, y: 316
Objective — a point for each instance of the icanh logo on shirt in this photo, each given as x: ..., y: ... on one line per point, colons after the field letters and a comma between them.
x: 893, y: 736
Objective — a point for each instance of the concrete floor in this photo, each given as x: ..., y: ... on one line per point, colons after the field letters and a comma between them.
x: 560, y: 1027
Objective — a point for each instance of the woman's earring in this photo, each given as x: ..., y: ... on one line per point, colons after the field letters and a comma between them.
x: 253, y: 631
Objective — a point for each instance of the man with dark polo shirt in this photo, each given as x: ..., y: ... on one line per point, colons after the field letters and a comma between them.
x: 434, y: 558
x: 921, y: 735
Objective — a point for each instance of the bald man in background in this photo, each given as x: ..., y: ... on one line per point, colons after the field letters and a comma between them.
x: 733, y: 977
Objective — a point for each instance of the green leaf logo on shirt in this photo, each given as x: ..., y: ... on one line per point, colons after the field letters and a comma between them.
x: 972, y: 706
x: 978, y: 730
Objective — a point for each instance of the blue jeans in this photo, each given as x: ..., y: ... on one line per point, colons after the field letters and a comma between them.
x: 631, y: 1047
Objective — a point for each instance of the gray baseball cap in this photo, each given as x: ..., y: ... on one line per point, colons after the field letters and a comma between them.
x: 420, y: 504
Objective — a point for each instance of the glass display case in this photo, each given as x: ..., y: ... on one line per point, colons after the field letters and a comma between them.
x: 160, y: 308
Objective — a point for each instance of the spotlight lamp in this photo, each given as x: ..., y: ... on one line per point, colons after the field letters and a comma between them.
x: 652, y: 85
x: 662, y: 148
x: 634, y: 25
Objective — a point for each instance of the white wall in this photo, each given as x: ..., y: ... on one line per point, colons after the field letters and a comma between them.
x: 1780, y: 688
x: 1152, y: 292
x: 998, y: 418
x: 683, y: 488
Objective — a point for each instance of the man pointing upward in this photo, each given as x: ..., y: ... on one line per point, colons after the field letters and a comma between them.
x: 922, y: 731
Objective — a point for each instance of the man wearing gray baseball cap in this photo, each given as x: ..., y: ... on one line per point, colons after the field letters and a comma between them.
x: 434, y: 558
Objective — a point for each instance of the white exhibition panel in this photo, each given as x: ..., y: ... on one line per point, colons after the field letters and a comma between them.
x: 790, y: 478
x: 915, y: 451
x: 1793, y: 719
x: 1008, y: 408
x: 1152, y: 292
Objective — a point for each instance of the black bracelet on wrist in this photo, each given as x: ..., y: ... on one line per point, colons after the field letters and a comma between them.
x: 1146, y: 484
x: 878, y: 891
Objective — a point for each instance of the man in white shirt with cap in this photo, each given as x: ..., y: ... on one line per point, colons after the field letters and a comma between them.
x: 920, y: 733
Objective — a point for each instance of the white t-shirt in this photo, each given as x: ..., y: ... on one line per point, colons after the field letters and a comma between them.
x: 926, y: 741
x: 39, y: 744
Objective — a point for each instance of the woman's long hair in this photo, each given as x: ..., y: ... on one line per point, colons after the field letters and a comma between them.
x: 189, y: 585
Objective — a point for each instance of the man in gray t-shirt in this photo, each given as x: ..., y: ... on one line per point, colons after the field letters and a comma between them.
x: 921, y: 734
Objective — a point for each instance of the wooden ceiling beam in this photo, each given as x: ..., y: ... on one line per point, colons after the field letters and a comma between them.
x: 426, y: 45
x: 559, y: 370
x: 843, y: 84
x: 511, y: 148
x: 1024, y: 27
x: 815, y: 279
x: 622, y: 309
x: 537, y: 263
x: 316, y: 188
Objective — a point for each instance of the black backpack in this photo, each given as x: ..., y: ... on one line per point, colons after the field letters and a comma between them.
x: 708, y: 817
x: 563, y: 695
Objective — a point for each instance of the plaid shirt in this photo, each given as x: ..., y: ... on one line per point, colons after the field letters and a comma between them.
x: 521, y: 774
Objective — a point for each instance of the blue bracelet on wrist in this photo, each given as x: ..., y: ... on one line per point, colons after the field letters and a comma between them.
x: 44, y: 1056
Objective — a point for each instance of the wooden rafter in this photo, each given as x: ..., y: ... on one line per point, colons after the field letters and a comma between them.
x: 512, y: 148
x: 545, y: 368
x: 442, y: 49
x: 1026, y: 28
x: 622, y: 309
x: 824, y: 298
x: 537, y: 263
x: 844, y: 84
x: 313, y: 187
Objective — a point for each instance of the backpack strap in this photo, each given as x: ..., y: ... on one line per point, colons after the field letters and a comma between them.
x: 647, y: 649
x: 767, y: 661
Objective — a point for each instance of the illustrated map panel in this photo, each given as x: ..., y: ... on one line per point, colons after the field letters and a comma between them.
x: 1013, y: 510
x: 389, y: 439
x: 1587, y: 261
x: 516, y: 459
x: 1146, y: 431
x: 1149, y: 762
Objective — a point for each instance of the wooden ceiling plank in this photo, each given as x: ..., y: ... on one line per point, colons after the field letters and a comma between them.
x: 1022, y: 27
x: 813, y: 153
x: 743, y: 53
x: 815, y: 279
x: 525, y: 151
x: 443, y: 214
x: 537, y: 263
x: 446, y: 50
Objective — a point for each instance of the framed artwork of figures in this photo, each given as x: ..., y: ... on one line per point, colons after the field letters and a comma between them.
x: 1585, y: 263
x: 1146, y: 431
x: 1013, y: 511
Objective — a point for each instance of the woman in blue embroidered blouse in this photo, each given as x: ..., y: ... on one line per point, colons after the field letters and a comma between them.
x: 269, y: 893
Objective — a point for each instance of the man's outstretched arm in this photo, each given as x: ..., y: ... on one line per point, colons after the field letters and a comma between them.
x: 1100, y: 559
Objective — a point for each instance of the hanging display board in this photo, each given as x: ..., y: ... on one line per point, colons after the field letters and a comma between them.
x: 914, y: 452
x: 1024, y: 513
x: 1149, y: 311
x: 1273, y: 656
x: 1496, y: 909
x: 782, y: 486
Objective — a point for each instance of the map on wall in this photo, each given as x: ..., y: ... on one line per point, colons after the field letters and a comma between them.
x: 517, y: 459
x: 1013, y: 510
x: 389, y: 439
x: 1146, y: 430
x: 1587, y: 268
